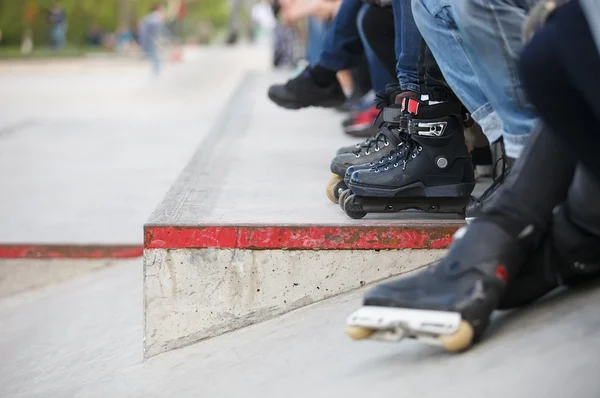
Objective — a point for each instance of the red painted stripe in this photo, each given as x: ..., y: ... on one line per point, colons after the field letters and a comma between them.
x: 69, y: 251
x: 309, y: 237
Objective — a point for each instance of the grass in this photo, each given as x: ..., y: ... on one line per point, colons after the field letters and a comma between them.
x: 14, y: 52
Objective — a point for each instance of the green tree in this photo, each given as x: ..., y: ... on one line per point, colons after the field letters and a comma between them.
x: 82, y: 15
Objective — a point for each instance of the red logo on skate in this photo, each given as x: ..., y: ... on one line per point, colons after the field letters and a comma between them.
x: 501, y: 273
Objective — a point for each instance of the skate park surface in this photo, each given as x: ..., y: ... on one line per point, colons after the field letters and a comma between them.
x: 83, y: 339
x: 75, y: 327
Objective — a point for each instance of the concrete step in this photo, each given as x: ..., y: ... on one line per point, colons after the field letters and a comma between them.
x: 247, y: 232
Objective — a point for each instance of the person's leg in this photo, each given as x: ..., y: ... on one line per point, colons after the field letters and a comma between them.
x: 436, y: 23
x: 318, y: 84
x: 538, y: 182
x: 314, y: 44
x: 234, y: 21
x: 376, y: 28
x: 559, y: 69
x: 433, y: 83
x: 343, y: 47
x: 407, y: 46
x: 491, y: 31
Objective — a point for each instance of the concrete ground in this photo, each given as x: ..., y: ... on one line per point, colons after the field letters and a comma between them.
x: 88, y: 148
x: 95, y: 173
x: 83, y: 339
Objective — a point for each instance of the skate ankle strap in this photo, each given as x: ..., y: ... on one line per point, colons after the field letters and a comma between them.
x: 431, y: 128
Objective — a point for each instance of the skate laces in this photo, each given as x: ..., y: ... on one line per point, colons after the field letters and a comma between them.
x: 376, y: 142
x: 407, y: 150
x: 497, y: 180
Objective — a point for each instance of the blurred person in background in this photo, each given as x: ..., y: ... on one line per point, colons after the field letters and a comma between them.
x: 95, y: 36
x: 285, y: 39
x: 349, y: 40
x: 150, y: 29
x: 319, y: 14
x: 238, y: 15
x: 125, y: 39
x: 262, y: 18
x: 57, y: 18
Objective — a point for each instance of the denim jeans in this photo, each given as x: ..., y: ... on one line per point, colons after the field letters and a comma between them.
x: 378, y: 73
x: 436, y: 23
x: 58, y: 35
x: 343, y: 48
x: 408, y: 45
x: 491, y: 32
x: 316, y: 37
x: 152, y: 55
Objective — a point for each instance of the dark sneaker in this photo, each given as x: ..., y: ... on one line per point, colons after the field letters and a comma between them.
x: 302, y: 92
x: 362, y: 124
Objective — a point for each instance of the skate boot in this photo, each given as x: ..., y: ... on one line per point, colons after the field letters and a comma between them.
x: 487, y: 268
x: 386, y: 142
x: 432, y: 172
x: 303, y: 91
x: 501, y: 169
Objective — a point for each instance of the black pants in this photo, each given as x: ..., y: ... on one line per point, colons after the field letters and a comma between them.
x: 432, y: 81
x: 378, y: 26
x: 560, y: 69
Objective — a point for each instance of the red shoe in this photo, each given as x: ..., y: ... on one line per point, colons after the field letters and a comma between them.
x: 362, y: 124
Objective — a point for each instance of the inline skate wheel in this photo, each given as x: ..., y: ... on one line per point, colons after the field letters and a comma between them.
x: 333, y: 187
x: 459, y: 340
x: 357, y: 215
x: 359, y: 332
x: 343, y: 197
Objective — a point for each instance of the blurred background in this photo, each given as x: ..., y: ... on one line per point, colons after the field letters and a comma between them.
x: 103, y: 102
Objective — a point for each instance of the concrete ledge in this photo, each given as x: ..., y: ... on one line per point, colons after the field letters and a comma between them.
x: 314, y: 237
x: 45, y: 251
x: 190, y: 295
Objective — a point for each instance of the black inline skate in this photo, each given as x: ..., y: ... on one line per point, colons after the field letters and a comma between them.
x: 386, y: 142
x: 450, y: 302
x: 432, y: 172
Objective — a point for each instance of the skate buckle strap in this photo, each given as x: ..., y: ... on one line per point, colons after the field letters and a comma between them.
x: 410, y: 105
x: 429, y: 129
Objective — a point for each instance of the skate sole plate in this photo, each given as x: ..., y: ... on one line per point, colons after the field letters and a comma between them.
x: 440, y: 328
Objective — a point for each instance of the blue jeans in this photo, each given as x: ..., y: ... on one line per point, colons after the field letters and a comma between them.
x: 491, y: 32
x: 435, y: 21
x: 152, y: 55
x: 380, y: 77
x: 58, y: 34
x: 344, y: 49
x: 316, y: 39
x: 408, y: 46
